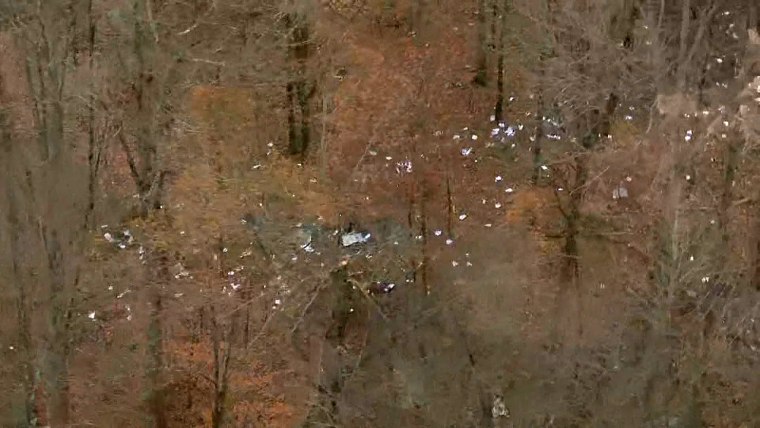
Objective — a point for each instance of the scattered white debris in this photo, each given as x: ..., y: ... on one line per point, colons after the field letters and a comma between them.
x: 456, y: 137
x: 91, y: 315
x: 404, y: 167
x: 352, y: 238
x: 449, y: 241
x: 474, y: 137
x: 628, y: 179
x: 488, y: 225
x: 544, y: 167
x: 108, y: 237
x: 277, y: 302
x: 553, y: 137
x: 388, y: 158
x: 628, y: 117
x: 462, y: 216
x: 497, y: 205
x: 498, y: 178
x: 509, y: 190
x: 511, y: 131
x: 688, y: 177
x: 438, y: 232
x: 705, y: 279
x: 689, y: 135
x: 466, y: 151
x: 691, y: 258
x: 454, y: 263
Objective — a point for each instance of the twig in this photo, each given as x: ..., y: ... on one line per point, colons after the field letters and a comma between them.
x: 306, y: 308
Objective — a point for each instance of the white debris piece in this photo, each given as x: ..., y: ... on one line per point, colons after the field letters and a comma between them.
x: 497, y: 205
x: 488, y: 225
x: 91, y: 315
x: 349, y: 239
x: 474, y: 137
x: 108, y: 237
x: 499, y: 408
x: 466, y: 151
x: 449, y: 241
x: 438, y: 232
x: 544, y: 167
x: 454, y: 263
x: 689, y: 135
x: 511, y: 131
x: 620, y: 192
x: 462, y: 216
x: 509, y: 190
x: 498, y: 178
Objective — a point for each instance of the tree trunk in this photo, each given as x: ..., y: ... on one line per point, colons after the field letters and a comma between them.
x: 481, y: 70
x: 57, y: 350
x: 299, y: 89
x: 93, y: 152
